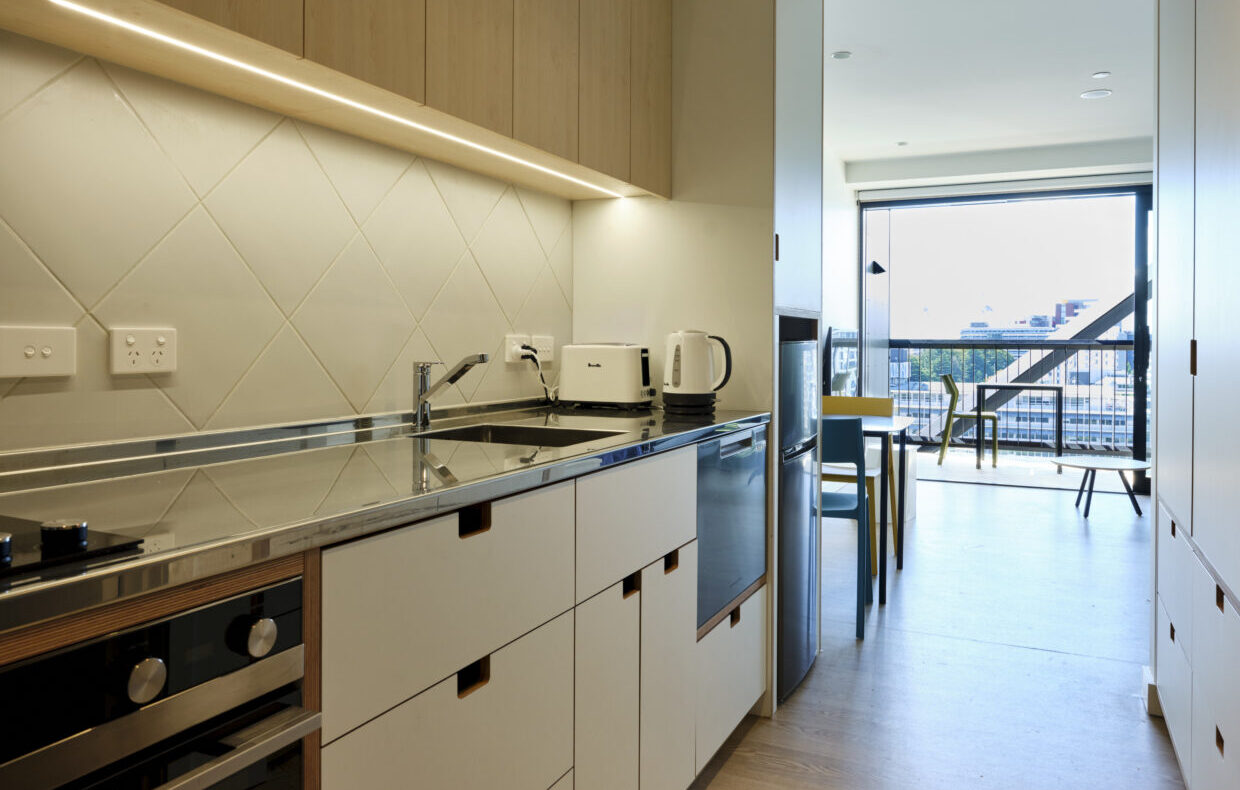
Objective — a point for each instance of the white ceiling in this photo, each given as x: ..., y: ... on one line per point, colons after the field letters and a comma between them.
x: 950, y: 76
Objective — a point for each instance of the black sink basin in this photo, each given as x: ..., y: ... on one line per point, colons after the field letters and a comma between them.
x: 529, y: 435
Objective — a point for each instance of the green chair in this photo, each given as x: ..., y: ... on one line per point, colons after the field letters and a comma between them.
x: 949, y: 384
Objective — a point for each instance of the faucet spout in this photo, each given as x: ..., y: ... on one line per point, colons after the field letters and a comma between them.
x: 423, y: 389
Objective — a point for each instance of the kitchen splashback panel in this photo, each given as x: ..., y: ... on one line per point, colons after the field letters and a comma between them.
x: 305, y: 270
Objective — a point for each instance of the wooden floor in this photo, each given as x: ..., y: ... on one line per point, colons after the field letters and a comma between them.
x: 1008, y: 656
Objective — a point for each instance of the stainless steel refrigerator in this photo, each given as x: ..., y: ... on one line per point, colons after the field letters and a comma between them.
x: 798, y: 514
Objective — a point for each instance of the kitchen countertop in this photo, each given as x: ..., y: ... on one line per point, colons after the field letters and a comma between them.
x: 206, y: 510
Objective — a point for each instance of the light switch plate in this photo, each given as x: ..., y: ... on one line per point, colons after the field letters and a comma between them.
x: 37, y: 351
x: 143, y: 350
x: 545, y: 345
x: 512, y: 347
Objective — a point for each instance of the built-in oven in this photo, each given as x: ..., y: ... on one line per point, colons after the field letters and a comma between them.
x: 209, y: 698
x: 731, y: 520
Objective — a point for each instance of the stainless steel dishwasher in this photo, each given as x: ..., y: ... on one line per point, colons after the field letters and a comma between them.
x: 731, y: 519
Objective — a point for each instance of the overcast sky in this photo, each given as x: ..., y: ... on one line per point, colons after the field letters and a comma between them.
x: 1001, y: 262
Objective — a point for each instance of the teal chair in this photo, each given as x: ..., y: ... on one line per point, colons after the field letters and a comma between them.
x: 843, y: 443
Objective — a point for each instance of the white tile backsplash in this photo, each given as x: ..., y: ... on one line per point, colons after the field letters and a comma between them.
x: 305, y: 269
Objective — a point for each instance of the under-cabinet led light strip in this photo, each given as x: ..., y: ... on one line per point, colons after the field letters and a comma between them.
x: 271, y: 75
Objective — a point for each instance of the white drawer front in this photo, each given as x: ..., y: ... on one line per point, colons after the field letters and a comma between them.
x: 730, y: 675
x: 1175, y: 690
x: 608, y: 665
x: 405, y: 609
x: 515, y: 731
x: 629, y: 516
x: 1216, y: 694
x: 1176, y: 563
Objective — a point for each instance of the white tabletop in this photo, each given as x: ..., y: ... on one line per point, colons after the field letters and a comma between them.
x: 876, y: 424
x: 1107, y: 463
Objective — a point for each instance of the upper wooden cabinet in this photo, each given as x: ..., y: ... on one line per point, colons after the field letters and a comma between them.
x: 605, y: 86
x: 275, y: 22
x: 469, y: 60
x: 380, y: 41
x: 545, y: 79
x: 650, y: 100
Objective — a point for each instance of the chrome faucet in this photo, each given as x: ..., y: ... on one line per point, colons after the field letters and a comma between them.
x: 423, y: 390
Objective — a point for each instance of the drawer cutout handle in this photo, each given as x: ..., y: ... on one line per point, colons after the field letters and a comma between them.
x: 1219, y: 599
x: 734, y: 619
x: 671, y: 561
x: 1172, y: 625
x: 473, y: 677
x: 1173, y: 529
x: 1218, y: 740
x: 475, y: 520
x: 631, y: 585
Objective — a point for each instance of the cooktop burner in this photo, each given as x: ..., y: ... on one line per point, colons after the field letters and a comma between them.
x: 33, y: 546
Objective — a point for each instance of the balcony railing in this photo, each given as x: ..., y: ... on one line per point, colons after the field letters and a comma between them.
x: 1097, y: 377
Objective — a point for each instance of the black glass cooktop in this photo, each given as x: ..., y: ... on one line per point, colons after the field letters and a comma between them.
x: 28, y: 553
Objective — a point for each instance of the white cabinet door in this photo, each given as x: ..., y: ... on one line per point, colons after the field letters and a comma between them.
x: 509, y: 726
x: 1174, y: 397
x: 630, y: 515
x: 404, y: 609
x: 1175, y: 689
x: 1176, y: 564
x: 1216, y: 695
x: 730, y: 674
x: 608, y: 670
x: 668, y: 690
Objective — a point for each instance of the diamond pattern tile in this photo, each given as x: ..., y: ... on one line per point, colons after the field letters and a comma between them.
x: 465, y: 319
x: 546, y: 311
x: 90, y: 192
x: 26, y: 65
x: 283, y: 216
x: 286, y: 384
x: 205, y: 135
x: 355, y: 322
x: 194, y: 281
x: 415, y: 238
x: 508, y: 253
x: 280, y: 489
x: 470, y: 197
x: 395, y: 392
x: 28, y: 291
x: 202, y: 513
x: 361, y: 171
x: 360, y: 484
x: 548, y: 215
x: 561, y: 259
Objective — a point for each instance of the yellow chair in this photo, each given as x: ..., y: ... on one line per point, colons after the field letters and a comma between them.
x: 832, y: 473
x: 949, y: 384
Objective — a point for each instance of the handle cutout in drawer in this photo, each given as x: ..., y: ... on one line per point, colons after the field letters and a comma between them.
x: 1218, y: 741
x: 734, y: 619
x: 1172, y: 627
x: 671, y: 561
x: 632, y: 584
x: 1220, y: 600
x: 1173, y: 529
x: 473, y: 677
x: 475, y: 519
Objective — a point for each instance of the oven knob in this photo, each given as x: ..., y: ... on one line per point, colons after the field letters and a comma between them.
x: 262, y: 637
x: 63, y: 536
x: 146, y: 680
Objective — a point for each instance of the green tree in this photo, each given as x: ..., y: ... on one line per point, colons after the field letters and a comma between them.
x: 966, y: 366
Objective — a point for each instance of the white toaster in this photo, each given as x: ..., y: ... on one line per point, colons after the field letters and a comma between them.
x: 605, y: 374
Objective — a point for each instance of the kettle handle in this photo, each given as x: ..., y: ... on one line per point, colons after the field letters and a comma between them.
x: 727, y: 362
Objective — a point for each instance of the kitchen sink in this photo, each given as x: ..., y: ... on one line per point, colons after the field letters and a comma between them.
x: 530, y: 435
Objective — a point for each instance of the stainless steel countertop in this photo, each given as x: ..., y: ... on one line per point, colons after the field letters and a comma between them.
x: 205, y: 506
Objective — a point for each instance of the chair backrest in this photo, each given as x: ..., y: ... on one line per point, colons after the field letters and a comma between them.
x: 867, y: 407
x: 843, y: 443
x: 949, y: 384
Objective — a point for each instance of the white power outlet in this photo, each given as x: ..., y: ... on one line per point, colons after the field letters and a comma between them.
x: 37, y: 351
x: 143, y: 350
x: 545, y: 345
x: 512, y: 347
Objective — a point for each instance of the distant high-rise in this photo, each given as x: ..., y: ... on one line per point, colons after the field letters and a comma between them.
x: 1069, y: 308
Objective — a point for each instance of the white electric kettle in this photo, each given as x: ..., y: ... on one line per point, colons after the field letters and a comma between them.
x: 690, y: 380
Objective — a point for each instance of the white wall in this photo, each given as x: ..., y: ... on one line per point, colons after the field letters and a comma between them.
x: 644, y: 267
x: 840, y: 275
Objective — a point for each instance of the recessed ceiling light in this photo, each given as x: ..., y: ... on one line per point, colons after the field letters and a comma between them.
x: 842, y: 54
x: 1099, y: 93
x: 902, y: 143
x: 1101, y: 75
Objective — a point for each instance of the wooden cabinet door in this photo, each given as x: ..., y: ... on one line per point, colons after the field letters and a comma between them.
x: 545, y: 75
x: 469, y: 60
x: 604, y: 112
x: 1216, y: 497
x: 650, y: 104
x: 668, y: 690
x: 1173, y: 453
x: 275, y: 22
x: 798, y: 154
x: 382, y: 42
x: 607, y: 675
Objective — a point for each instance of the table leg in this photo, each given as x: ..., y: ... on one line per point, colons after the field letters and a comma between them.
x: 1089, y: 498
x: 1131, y: 496
x: 1081, y: 493
x: 977, y: 427
x: 882, y: 522
x: 901, y: 524
x: 1059, y: 426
